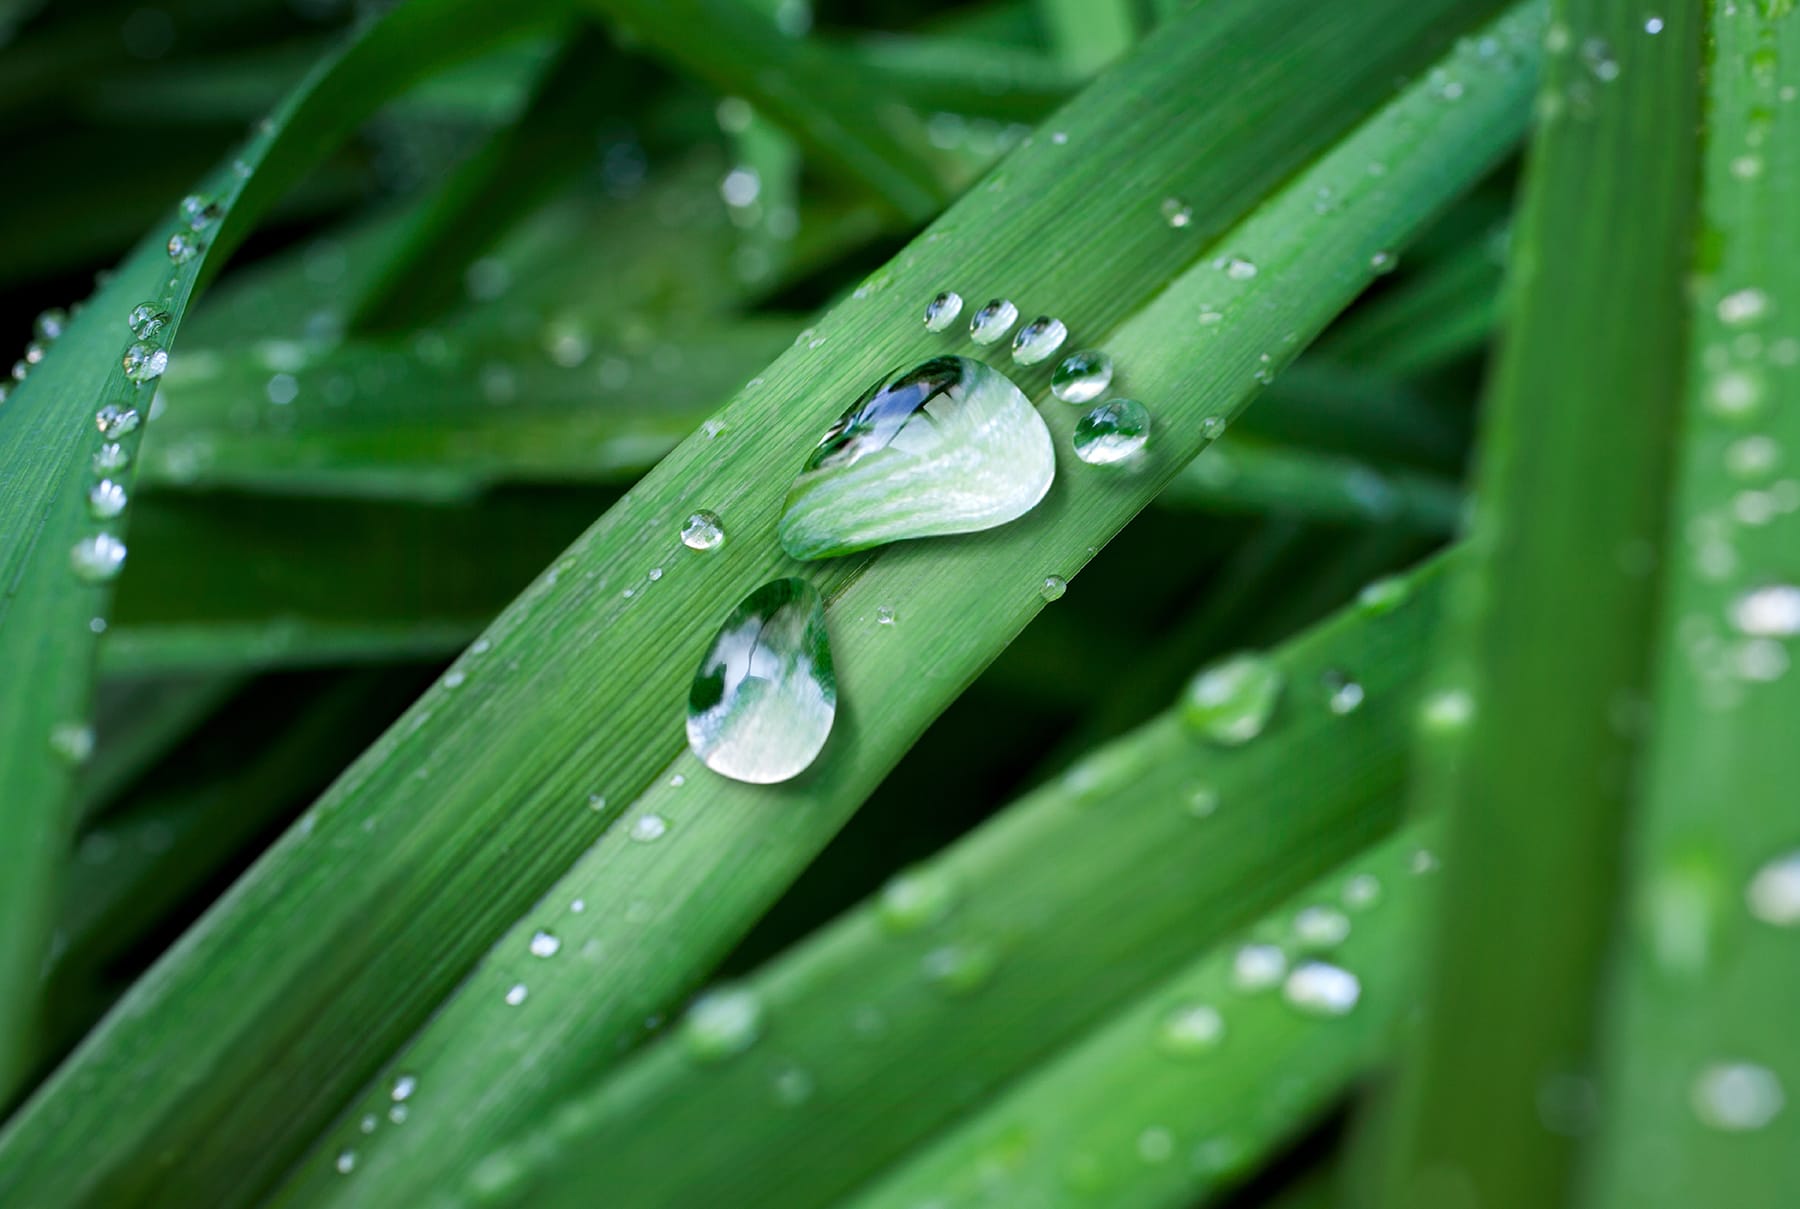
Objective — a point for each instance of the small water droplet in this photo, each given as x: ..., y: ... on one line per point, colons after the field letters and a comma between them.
x: 1771, y: 611
x: 1177, y: 213
x: 106, y: 499
x: 368, y: 1123
x: 397, y: 1114
x: 1599, y: 59
x: 1743, y: 306
x: 1653, y: 25
x: 596, y: 802
x: 1773, y: 895
x: 1112, y: 433
x: 958, y: 968
x: 1737, y: 1097
x: 914, y: 899
x: 655, y: 574
x: 722, y: 1023
x: 884, y: 616
x: 147, y: 319
x: 183, y: 247
x: 1318, y: 988
x: 200, y: 212
x: 1447, y: 711
x: 1156, y: 1145
x: 1384, y: 595
x: 403, y: 1088
x: 1383, y: 262
x: 1257, y: 967
x: 50, y: 324
x: 942, y: 311
x: 97, y: 559
x: 1203, y: 801
x: 1053, y: 587
x: 1239, y: 269
x: 1343, y: 695
x: 544, y: 944
x: 1082, y: 377
x: 111, y: 458
x: 677, y: 781
x: 765, y: 695
x: 1191, y: 1028
x: 1212, y: 427
x: 792, y: 1086
x: 1752, y: 458
x: 1321, y: 927
x: 1362, y: 891
x: 114, y: 421
x: 1231, y: 701
x: 991, y: 323
x: 346, y: 1162
x: 1038, y: 340
x: 73, y: 742
x: 516, y: 994
x: 648, y: 828
x: 1735, y: 394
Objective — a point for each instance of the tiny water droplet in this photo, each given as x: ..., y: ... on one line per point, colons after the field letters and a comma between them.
x: 1737, y: 1097
x: 1177, y: 213
x: 942, y: 311
x: 403, y: 1088
x: 1773, y: 895
x: 50, y: 324
x: 884, y: 616
x: 1082, y: 377
x: 1053, y: 587
x: 1321, y: 927
x: 1212, y: 427
x: 516, y: 994
x: 792, y: 1086
x: 346, y: 1162
x: 1112, y: 433
x: 1447, y: 711
x: 106, y: 499
x: 147, y: 319
x: 1038, y: 340
x: 1743, y: 306
x: 655, y: 574
x: 144, y: 362
x: 721, y: 1024
x: 73, y: 742
x: 648, y: 828
x: 397, y: 1114
x: 1343, y: 695
x: 702, y: 531
x: 958, y: 968
x: 111, y: 458
x: 199, y: 212
x: 1772, y: 611
x: 544, y: 944
x: 1231, y: 701
x: 97, y: 559
x: 914, y: 899
x: 1362, y: 891
x: 991, y: 323
x: 1383, y: 595
x: 114, y: 421
x: 1318, y: 988
x: 1203, y: 801
x: 368, y: 1123
x: 765, y: 695
x: 1239, y: 269
x: 1383, y: 262
x: 1257, y: 967
x: 1191, y: 1028
x: 183, y: 247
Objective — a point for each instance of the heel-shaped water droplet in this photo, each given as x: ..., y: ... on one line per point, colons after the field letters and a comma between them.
x: 951, y: 446
x: 764, y: 699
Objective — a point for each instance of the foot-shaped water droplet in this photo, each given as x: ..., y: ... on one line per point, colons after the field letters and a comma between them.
x: 951, y: 446
x: 765, y: 696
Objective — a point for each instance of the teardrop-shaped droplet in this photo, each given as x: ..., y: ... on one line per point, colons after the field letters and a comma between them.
x: 702, y: 531
x: 1082, y: 377
x: 144, y: 362
x: 951, y: 446
x: 1112, y: 432
x: 942, y: 311
x: 1038, y: 340
x: 765, y: 695
x: 1231, y: 701
x: 993, y: 321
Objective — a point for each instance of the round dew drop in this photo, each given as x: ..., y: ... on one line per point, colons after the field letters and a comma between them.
x: 1038, y: 340
x: 913, y: 900
x: 649, y: 828
x: 1737, y: 1097
x: 722, y: 1023
x: 1231, y: 701
x: 144, y: 362
x: 942, y: 311
x: 114, y: 421
x: 1321, y: 927
x: 991, y: 323
x: 544, y: 944
x: 1082, y: 377
x: 183, y: 247
x: 702, y: 531
x: 1112, y: 432
x: 1773, y: 895
x: 1053, y: 587
x: 199, y: 212
x: 516, y: 994
x: 1318, y: 988
x: 1177, y: 213
x: 1257, y: 967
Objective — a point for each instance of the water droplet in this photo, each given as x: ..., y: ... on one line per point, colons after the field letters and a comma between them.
x: 147, y: 319
x: 792, y: 1086
x: 1342, y: 694
x: 1447, y: 711
x: 144, y: 362
x: 1082, y: 377
x: 1772, y: 611
x: 106, y: 499
x: 1203, y: 801
x: 1752, y: 458
x: 73, y: 742
x: 1362, y: 891
x: 722, y: 1023
x: 1383, y: 595
x: 884, y: 616
x: 515, y: 994
x: 1156, y: 1145
x: 1743, y: 306
x: 942, y: 311
x: 951, y: 446
x: 654, y: 574
x: 914, y: 899
x: 1257, y: 967
x: 200, y: 212
x: 1239, y: 269
x: 1038, y: 340
x: 1231, y: 701
x: 368, y: 1123
x: 1321, y: 927
x: 958, y: 968
x: 97, y: 559
x: 183, y: 247
x: 1383, y: 262
x: 1112, y: 432
x: 764, y: 698
x: 741, y: 187
x: 1177, y: 213
x: 111, y: 458
x: 1212, y: 427
x: 1052, y: 588
x: 346, y: 1162
x: 544, y: 944
x: 403, y: 1088
x: 596, y: 802
x: 1735, y: 394
x: 397, y: 1114
x: 50, y: 324
x: 648, y: 828
x: 1774, y: 892
x: 1318, y: 988
x: 114, y: 421
x: 991, y: 323
x: 702, y: 531
x: 1192, y: 1028
x: 1737, y: 1097
x: 1599, y: 59
x: 1653, y: 25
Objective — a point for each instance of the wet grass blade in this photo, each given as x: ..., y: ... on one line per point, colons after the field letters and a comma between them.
x: 1204, y: 1077
x: 47, y: 443
x: 1699, y: 1068
x: 1550, y: 640
x: 1089, y: 34
x: 1245, y: 474
x: 479, y: 799
x: 966, y: 970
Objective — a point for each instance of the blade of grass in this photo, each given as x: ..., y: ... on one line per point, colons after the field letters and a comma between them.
x: 1089, y: 34
x: 1174, y: 1098
x: 1182, y: 842
x: 47, y: 637
x: 1549, y: 636
x: 344, y: 925
x: 882, y: 667
x: 1698, y: 1032
x: 943, y: 73
x: 1445, y: 313
x: 1362, y: 411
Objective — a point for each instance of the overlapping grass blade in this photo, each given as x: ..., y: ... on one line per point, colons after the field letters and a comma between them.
x: 1548, y: 653
x: 1258, y: 476
x: 341, y: 941
x: 47, y: 615
x: 1699, y: 1068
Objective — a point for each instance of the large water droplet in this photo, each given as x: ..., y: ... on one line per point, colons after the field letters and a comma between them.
x: 951, y: 446
x: 991, y: 323
x: 702, y: 531
x: 765, y: 696
x: 98, y: 558
x: 1112, y: 432
x: 1231, y: 701
x: 1737, y: 1097
x: 722, y: 1023
x: 1082, y: 377
x: 1038, y: 340
x: 942, y: 311
x: 1318, y: 988
x: 1052, y: 588
x: 144, y: 362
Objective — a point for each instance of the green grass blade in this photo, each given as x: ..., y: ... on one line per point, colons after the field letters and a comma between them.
x: 1182, y: 842
x: 47, y: 441
x: 1249, y: 474
x: 1699, y: 1031
x: 943, y: 73
x: 1089, y: 34
x: 1361, y: 411
x: 1552, y: 634
x: 279, y: 1014
x: 1134, y: 1118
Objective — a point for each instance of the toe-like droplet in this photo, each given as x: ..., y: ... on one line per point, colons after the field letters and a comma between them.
x: 1038, y: 340
x: 951, y: 446
x: 1112, y: 432
x: 993, y: 321
x: 942, y: 311
x: 1082, y: 377
x: 765, y: 696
